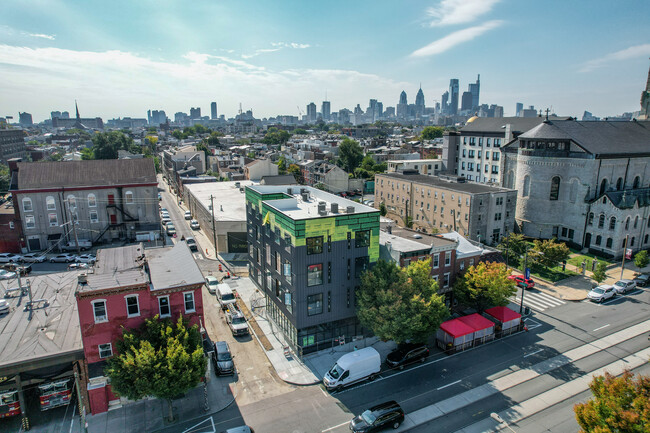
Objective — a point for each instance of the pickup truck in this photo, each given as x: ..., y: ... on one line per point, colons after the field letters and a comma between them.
x: 72, y: 246
x: 236, y: 320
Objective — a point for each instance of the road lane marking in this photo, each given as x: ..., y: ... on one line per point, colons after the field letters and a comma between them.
x: 602, y: 327
x: 336, y: 426
x: 449, y: 384
x: 531, y: 354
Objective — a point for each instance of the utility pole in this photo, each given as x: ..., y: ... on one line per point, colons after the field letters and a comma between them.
x: 624, y: 252
x: 214, y: 231
x: 523, y: 286
x: 74, y: 228
x: 82, y: 407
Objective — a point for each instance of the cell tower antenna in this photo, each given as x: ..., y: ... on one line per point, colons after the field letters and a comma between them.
x: 240, y: 111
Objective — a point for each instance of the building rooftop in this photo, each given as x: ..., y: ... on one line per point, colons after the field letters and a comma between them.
x: 465, y: 247
x: 7, y: 208
x: 497, y: 124
x: 53, y: 330
x: 229, y: 202
x: 73, y: 174
x: 116, y: 268
x: 441, y: 182
x: 172, y: 267
x: 409, y: 238
x: 296, y: 208
x: 415, y: 161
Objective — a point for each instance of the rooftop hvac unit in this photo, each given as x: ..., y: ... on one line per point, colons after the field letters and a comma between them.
x: 303, y: 190
x: 349, y: 209
x: 335, y: 207
x: 322, y: 209
x: 289, y: 191
x: 305, y: 196
x: 237, y: 184
x: 82, y: 279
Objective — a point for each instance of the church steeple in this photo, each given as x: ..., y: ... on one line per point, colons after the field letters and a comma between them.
x: 645, y: 101
x: 77, y: 109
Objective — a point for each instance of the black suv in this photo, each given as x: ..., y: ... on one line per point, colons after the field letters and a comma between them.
x: 223, y: 359
x: 388, y: 414
x: 642, y: 280
x: 406, y: 354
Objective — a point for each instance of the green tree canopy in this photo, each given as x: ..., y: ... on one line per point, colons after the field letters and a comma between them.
x: 599, y: 274
x: 4, y: 178
x: 350, y: 154
x: 514, y: 243
x: 161, y: 359
x: 619, y: 404
x: 282, y: 165
x: 107, y: 144
x: 300, y: 131
x: 382, y: 209
x: 549, y: 252
x: 641, y: 259
x: 485, y: 285
x: 401, y: 304
x: 431, y: 132
x: 276, y: 136
x: 294, y: 170
x: 87, y: 154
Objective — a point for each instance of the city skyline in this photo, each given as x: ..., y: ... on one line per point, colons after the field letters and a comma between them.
x: 121, y: 59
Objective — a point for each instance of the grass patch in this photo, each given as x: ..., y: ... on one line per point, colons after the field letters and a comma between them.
x: 553, y: 275
x: 576, y: 261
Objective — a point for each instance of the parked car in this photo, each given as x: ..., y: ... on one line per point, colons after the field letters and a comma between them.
x: 163, y: 209
x: 4, y: 306
x: 159, y: 197
x: 194, y: 225
x: 624, y: 286
x: 165, y: 220
x: 170, y: 229
x: 236, y: 321
x: 225, y: 296
x: 406, y: 354
x: 642, y: 280
x: 6, y: 275
x: 191, y: 244
x: 521, y: 280
x: 188, y: 215
x: 353, y: 367
x: 22, y: 269
x: 78, y: 265
x: 211, y: 283
x: 240, y: 429
x: 84, y: 244
x: 87, y: 258
x: 10, y: 257
x: 602, y: 293
x: 63, y: 258
x: 34, y: 258
x: 223, y: 359
x: 388, y: 414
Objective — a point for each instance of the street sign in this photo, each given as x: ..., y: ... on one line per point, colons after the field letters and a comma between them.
x: 628, y: 253
x: 527, y: 273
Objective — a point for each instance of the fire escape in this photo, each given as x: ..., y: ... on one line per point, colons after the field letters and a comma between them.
x: 118, y: 217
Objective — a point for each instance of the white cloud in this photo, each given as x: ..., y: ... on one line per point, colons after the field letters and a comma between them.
x: 449, y: 12
x: 455, y: 38
x: 42, y: 35
x: 290, y: 45
x: 632, y: 52
x: 118, y: 83
x: 261, y: 51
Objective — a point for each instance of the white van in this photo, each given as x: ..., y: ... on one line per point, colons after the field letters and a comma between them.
x: 225, y: 295
x: 353, y: 367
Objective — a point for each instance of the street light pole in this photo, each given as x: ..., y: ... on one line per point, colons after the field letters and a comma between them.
x: 624, y: 252
x: 523, y: 286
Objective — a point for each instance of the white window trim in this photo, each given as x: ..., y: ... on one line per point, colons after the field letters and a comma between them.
x: 31, y: 206
x: 47, y: 203
x: 137, y: 301
x: 193, y: 310
x: 168, y: 305
x: 33, y: 225
x: 434, y: 261
x: 126, y: 197
x: 97, y: 301
x: 447, y: 276
x: 447, y: 256
x: 93, y: 220
x: 99, y: 350
x: 94, y: 198
x: 56, y: 220
x: 72, y: 201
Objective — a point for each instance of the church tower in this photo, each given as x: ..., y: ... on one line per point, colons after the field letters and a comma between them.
x: 645, y: 101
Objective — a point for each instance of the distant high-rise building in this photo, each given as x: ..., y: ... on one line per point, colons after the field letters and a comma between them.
x: 453, y: 96
x: 419, y: 98
x: 528, y: 112
x: 379, y: 110
x: 55, y: 114
x: 466, y: 102
x: 357, y: 110
x: 589, y: 116
x: 181, y: 118
x: 402, y: 106
x: 195, y: 113
x: 326, y: 110
x: 390, y: 112
x: 311, y: 112
x: 372, y: 114
x: 445, y: 103
x: 344, y: 116
x: 518, y: 108
x: 25, y: 119
x: 213, y: 111
x: 12, y: 144
x: 156, y: 117
x: 498, y: 111
x: 474, y: 89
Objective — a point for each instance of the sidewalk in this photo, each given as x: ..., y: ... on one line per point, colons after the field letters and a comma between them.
x: 290, y: 368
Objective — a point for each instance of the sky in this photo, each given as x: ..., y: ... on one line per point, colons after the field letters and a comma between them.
x: 122, y: 57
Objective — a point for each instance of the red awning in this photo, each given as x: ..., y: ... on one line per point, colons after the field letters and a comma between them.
x: 503, y: 314
x: 477, y: 322
x: 456, y: 328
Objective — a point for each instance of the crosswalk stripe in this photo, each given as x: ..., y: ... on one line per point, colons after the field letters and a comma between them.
x: 540, y: 301
x: 532, y: 304
x: 551, y: 298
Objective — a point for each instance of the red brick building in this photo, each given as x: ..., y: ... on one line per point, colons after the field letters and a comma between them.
x: 128, y: 285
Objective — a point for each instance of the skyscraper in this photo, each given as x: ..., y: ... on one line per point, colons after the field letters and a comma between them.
x: 326, y: 110
x: 25, y: 119
x: 195, y: 113
x: 453, y: 96
x: 419, y: 98
x: 379, y: 110
x: 213, y: 111
x: 474, y: 89
x: 466, y: 101
x: 518, y: 108
x: 311, y: 112
x: 402, y: 106
x: 445, y: 103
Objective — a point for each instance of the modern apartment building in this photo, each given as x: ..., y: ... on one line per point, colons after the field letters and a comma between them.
x: 435, y: 204
x: 429, y: 167
x: 12, y: 144
x: 307, y: 251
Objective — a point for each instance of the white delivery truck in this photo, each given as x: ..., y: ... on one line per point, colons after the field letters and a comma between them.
x: 353, y: 367
x: 225, y: 296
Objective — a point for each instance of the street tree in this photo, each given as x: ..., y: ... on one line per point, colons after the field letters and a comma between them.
x: 401, y: 304
x: 641, y: 259
x: 282, y: 165
x: 350, y: 154
x: 4, y: 178
x: 549, y: 252
x: 107, y: 144
x: 514, y: 243
x: 300, y: 131
x: 599, y: 274
x: 619, y: 404
x: 431, y: 132
x: 87, y: 154
x: 382, y: 209
x: 485, y: 285
x: 276, y: 136
x: 161, y: 358
x: 294, y: 170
